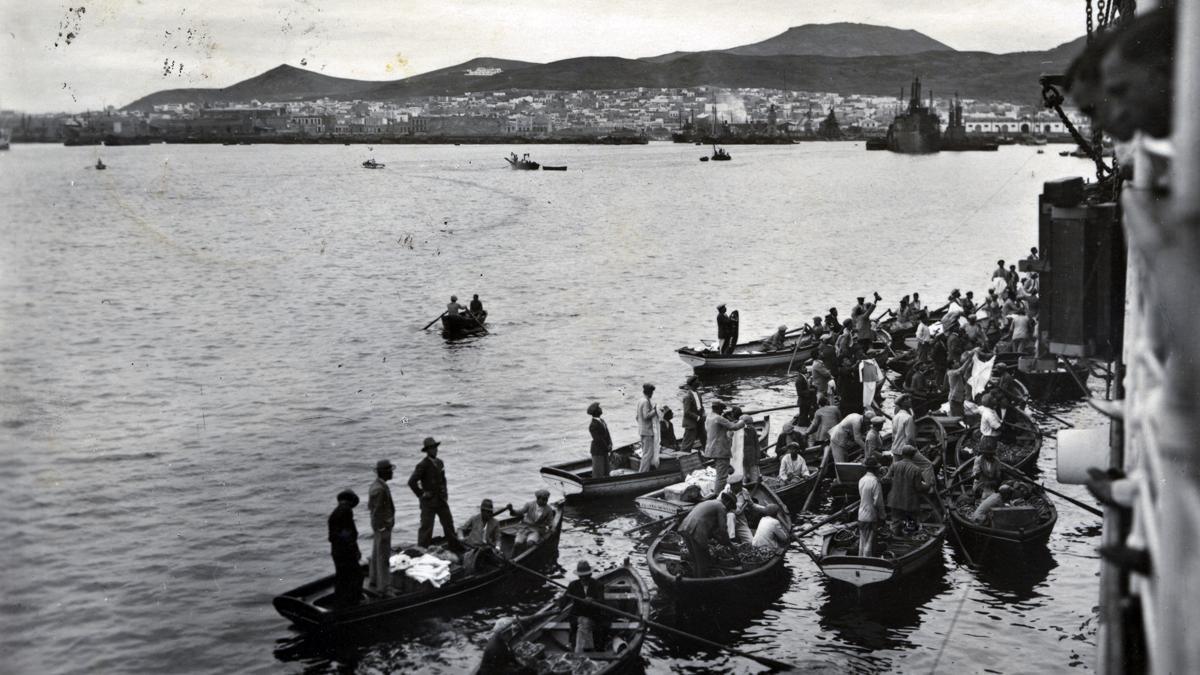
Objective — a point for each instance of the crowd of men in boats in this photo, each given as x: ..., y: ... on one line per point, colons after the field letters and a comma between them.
x: 839, y: 409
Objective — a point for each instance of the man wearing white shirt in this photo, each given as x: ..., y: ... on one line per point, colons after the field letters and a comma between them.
x: 870, y: 506
x: 770, y: 532
x: 647, y: 419
x: 904, y: 430
x: 989, y: 423
x: 792, y: 466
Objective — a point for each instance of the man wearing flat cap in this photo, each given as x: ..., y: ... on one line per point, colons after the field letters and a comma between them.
x: 383, y: 519
x: 537, y: 517
x: 428, y: 483
x: 343, y: 546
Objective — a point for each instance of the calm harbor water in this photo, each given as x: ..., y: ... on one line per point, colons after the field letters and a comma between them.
x: 202, y: 345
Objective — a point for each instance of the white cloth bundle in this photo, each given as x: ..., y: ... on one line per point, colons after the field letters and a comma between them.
x: 425, y: 568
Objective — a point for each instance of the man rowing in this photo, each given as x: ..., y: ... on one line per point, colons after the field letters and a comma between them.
x: 537, y: 517
x: 775, y: 341
x: 452, y: 307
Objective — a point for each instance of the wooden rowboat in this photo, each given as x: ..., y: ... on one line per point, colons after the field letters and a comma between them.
x: 574, y: 479
x: 665, y: 501
x: 748, y: 356
x: 670, y: 564
x: 311, y: 607
x: 930, y: 442
x: 464, y: 324
x: 543, y: 642
x: 895, y: 555
x: 1026, y: 521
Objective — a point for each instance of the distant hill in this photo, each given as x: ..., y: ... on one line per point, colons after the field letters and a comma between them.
x: 842, y: 39
x: 977, y: 75
x: 281, y: 83
x: 830, y: 39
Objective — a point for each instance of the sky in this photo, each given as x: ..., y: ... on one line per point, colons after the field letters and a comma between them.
x: 85, y: 54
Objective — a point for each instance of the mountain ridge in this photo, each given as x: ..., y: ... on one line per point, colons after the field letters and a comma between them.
x: 979, y: 75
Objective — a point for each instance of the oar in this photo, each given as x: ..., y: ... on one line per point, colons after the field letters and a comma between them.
x: 778, y: 665
x: 825, y: 521
x: 943, y: 497
x: 434, y: 321
x: 766, y: 410
x: 793, y: 359
x: 1035, y: 430
x: 1030, y: 402
x: 812, y: 493
x: 651, y: 524
x: 480, y: 323
x: 1090, y: 509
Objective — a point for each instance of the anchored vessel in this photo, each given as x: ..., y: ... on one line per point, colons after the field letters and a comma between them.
x: 918, y: 129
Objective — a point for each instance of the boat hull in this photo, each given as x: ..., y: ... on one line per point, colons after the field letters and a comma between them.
x: 862, y: 571
x: 748, y: 359
x: 574, y: 481
x: 304, y: 608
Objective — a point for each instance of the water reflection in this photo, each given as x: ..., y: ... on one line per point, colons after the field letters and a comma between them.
x: 880, y: 617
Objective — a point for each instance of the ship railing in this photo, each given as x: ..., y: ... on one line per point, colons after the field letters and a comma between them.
x: 1159, y: 445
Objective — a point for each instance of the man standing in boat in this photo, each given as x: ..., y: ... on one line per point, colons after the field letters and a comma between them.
x: 428, y: 483
x: 647, y: 419
x: 707, y: 521
x: 870, y: 506
x: 601, y: 441
x: 383, y: 519
x: 908, y: 482
x: 726, y: 326
x: 693, y: 416
x: 718, y: 449
x: 343, y: 545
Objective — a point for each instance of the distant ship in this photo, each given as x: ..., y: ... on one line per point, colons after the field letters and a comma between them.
x: 917, y: 130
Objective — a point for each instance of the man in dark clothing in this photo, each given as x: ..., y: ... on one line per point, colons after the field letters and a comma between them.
x: 806, y: 400
x: 601, y: 441
x: 705, y: 522
x: 726, y: 326
x: 583, y: 595
x: 693, y: 416
x: 908, y: 482
x: 476, y: 305
x: 343, y: 546
x: 428, y: 483
x: 383, y: 519
x: 832, y: 322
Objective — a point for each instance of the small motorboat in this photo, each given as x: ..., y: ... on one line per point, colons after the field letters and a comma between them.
x: 100, y: 165
x: 372, y: 164
x: 522, y: 164
x: 541, y: 643
x: 704, y: 159
x: 554, y: 168
x: 720, y: 155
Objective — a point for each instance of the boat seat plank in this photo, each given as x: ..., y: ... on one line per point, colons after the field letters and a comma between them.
x: 620, y: 596
x: 615, y: 625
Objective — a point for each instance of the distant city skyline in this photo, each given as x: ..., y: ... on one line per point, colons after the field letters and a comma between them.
x: 70, y: 57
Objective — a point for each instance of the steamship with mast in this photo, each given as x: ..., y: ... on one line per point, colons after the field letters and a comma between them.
x: 918, y: 130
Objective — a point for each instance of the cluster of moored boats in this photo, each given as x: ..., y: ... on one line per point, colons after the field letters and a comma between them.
x: 948, y: 445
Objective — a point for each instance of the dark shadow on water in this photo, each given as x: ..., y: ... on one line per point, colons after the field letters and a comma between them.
x: 724, y: 620
x: 877, y: 618
x: 405, y: 643
x: 1013, y: 574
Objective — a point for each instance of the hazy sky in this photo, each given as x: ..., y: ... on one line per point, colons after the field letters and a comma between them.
x: 86, y: 53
